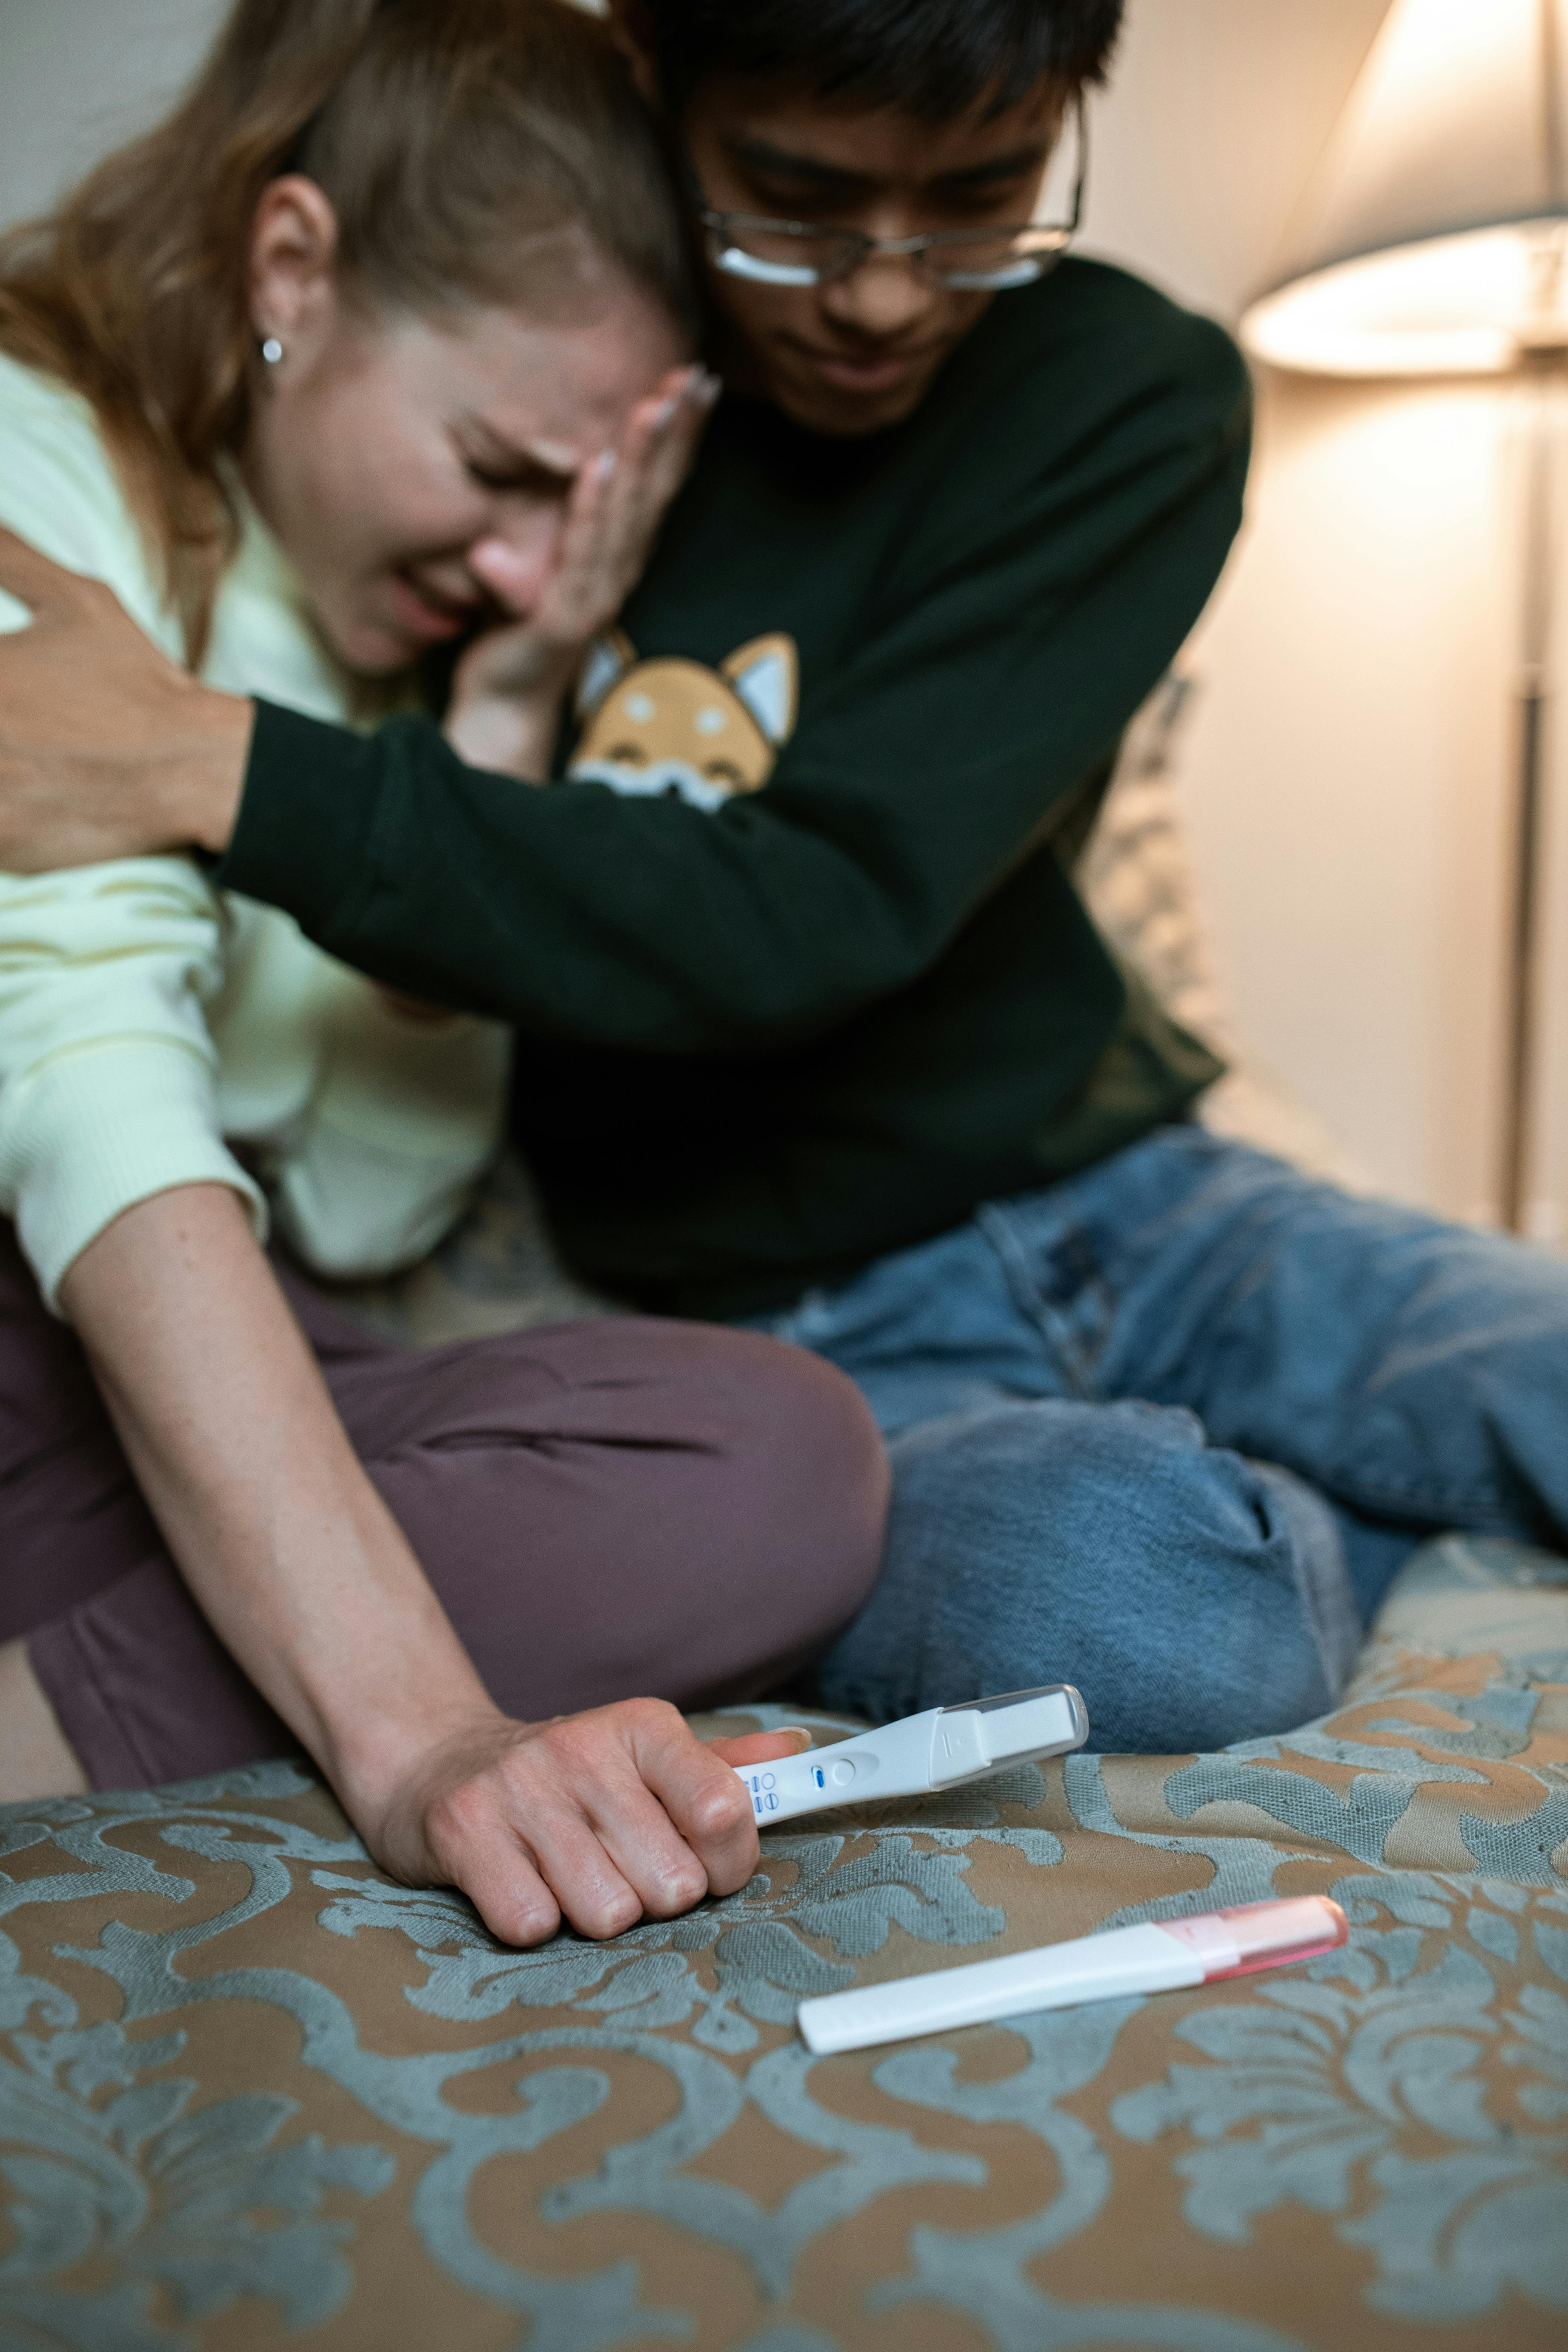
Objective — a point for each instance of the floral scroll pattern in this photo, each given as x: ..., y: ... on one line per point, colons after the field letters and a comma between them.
x: 1355, y: 2070
x: 246, y: 2082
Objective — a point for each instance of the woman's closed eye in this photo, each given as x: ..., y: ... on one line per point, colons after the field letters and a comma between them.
x: 501, y: 466
x: 504, y: 478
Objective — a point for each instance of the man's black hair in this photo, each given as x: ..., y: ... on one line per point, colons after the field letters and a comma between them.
x: 935, y: 58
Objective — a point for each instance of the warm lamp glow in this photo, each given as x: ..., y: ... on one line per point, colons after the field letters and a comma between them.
x: 1468, y: 305
x: 1435, y: 243
x: 1435, y: 239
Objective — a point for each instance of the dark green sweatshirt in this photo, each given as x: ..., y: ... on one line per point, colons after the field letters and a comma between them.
x: 762, y: 1043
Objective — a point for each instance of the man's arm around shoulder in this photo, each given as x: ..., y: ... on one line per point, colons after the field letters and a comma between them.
x: 108, y: 749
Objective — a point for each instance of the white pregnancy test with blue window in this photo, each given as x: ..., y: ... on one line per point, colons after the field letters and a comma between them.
x: 942, y: 1749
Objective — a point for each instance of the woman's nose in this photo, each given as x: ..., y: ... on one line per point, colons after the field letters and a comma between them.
x: 513, y: 560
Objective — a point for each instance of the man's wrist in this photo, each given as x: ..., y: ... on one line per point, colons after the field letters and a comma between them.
x: 195, y: 794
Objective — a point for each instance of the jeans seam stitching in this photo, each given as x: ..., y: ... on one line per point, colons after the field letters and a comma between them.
x: 1031, y: 1301
x: 1361, y: 1493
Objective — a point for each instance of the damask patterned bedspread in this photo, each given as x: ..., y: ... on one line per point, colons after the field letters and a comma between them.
x: 253, y: 2095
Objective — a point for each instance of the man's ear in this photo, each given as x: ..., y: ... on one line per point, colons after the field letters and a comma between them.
x: 293, y: 258
x: 633, y: 28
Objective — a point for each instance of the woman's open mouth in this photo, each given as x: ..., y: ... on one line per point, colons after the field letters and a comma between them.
x: 425, y: 615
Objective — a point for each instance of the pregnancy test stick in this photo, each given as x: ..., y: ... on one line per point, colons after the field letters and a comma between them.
x: 942, y: 1749
x: 1155, y: 1959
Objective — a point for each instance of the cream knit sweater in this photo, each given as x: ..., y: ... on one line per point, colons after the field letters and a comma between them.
x: 151, y: 1025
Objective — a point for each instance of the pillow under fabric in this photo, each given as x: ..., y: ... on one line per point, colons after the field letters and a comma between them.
x: 1139, y: 880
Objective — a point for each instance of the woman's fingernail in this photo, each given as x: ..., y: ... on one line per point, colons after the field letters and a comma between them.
x: 665, y: 410
x: 802, y: 1738
x: 605, y: 464
x: 707, y: 389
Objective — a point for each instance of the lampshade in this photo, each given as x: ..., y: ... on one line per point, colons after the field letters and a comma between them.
x: 1434, y: 236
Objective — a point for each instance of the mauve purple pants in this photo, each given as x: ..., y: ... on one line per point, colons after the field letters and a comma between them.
x: 608, y: 1509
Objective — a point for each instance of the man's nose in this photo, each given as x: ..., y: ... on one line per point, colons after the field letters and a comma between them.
x: 885, y: 297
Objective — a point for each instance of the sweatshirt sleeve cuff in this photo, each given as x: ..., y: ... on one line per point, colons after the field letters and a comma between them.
x: 303, y: 838
x: 92, y: 1132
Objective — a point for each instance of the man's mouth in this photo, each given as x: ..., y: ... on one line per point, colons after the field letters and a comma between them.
x: 425, y: 613
x: 870, y: 371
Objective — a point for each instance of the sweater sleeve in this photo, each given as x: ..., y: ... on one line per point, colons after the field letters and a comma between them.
x: 405, y: 1116
x: 1023, y: 624
x: 108, y: 1086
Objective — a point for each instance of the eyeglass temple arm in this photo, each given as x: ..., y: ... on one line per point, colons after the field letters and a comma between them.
x: 1080, y: 113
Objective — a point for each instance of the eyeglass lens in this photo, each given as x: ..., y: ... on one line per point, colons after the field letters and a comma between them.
x: 791, y: 255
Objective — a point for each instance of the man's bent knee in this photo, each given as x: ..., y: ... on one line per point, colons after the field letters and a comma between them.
x: 1194, y: 1598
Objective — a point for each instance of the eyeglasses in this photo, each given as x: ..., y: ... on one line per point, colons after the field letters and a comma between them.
x: 801, y: 253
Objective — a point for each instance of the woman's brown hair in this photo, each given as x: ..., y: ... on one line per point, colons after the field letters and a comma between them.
x: 456, y: 140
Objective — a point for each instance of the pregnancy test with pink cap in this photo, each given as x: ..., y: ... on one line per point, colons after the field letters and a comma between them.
x: 942, y: 1749
x: 1153, y: 1958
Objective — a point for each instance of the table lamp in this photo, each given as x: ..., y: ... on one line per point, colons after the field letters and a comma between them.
x: 1436, y: 244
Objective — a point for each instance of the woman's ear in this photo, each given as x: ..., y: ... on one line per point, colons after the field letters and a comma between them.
x: 632, y: 29
x: 294, y: 257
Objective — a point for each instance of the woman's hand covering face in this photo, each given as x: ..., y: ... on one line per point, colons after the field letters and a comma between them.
x: 510, y: 684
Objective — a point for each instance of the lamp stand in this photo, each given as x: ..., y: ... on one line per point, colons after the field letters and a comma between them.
x: 1544, y: 373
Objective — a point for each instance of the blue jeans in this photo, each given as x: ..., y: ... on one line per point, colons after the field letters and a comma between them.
x: 1167, y: 1431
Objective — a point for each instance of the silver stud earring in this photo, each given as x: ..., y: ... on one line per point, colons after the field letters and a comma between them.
x: 271, y: 349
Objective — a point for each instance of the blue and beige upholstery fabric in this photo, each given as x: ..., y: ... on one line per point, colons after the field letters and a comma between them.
x: 251, y: 2094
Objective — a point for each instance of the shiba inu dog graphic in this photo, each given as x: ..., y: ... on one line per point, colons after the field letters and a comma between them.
x: 670, y: 725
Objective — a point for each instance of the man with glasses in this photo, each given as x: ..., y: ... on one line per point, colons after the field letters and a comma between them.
x: 820, y: 1037
x: 860, y: 344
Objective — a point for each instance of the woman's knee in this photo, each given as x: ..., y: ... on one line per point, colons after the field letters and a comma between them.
x: 778, y: 1448
x: 802, y: 1467
x: 1195, y: 1598
x: 633, y: 1507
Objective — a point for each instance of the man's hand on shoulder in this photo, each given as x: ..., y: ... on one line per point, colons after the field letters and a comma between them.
x: 107, y: 748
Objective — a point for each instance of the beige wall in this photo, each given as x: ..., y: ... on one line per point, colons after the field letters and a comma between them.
x: 1347, y: 767
x: 76, y: 76
x: 1348, y: 773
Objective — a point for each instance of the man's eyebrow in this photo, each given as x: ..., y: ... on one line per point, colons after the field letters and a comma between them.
x: 996, y: 168
x: 783, y: 164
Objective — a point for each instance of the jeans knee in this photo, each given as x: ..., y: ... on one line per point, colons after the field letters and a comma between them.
x: 1193, y: 1597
